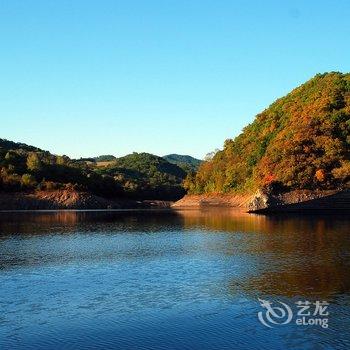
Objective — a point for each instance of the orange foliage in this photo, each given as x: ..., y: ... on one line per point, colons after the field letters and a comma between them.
x: 302, y: 141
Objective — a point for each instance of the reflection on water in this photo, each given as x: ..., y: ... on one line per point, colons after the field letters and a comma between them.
x: 168, y: 279
x: 300, y: 255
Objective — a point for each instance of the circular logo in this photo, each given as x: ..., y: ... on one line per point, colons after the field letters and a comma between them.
x: 274, y: 315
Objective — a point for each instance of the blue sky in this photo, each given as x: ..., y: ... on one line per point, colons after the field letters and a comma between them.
x: 85, y: 78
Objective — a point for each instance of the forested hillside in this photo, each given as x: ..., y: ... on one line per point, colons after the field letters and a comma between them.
x: 147, y: 175
x: 136, y: 176
x: 25, y: 168
x: 302, y: 141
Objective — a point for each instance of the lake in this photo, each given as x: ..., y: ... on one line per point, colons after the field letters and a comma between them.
x: 174, y: 280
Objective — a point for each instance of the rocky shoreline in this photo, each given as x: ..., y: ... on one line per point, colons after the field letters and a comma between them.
x: 300, y: 200
x: 197, y: 201
x: 68, y: 199
x: 265, y: 201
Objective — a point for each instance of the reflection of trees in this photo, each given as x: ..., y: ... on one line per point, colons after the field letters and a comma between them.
x: 282, y: 254
x: 33, y: 238
x: 222, y: 220
x: 233, y: 220
x: 290, y: 255
x: 320, y: 281
x: 68, y: 221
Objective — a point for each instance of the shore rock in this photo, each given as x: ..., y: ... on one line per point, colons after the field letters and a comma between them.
x: 263, y: 200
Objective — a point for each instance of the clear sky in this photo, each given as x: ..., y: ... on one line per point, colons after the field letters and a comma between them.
x: 85, y: 77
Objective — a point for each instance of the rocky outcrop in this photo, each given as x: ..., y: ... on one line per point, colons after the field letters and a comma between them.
x: 262, y: 200
x: 299, y: 200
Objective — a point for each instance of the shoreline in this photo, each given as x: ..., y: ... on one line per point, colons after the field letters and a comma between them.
x: 197, y: 201
x: 265, y: 202
x: 260, y: 202
x: 72, y: 200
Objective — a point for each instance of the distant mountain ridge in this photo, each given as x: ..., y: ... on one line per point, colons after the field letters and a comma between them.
x: 185, y: 162
x: 147, y: 173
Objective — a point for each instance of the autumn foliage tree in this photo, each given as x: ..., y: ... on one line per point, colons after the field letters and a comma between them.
x: 301, y: 141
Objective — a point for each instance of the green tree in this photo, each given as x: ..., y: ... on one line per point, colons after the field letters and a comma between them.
x: 28, y: 180
x: 33, y: 162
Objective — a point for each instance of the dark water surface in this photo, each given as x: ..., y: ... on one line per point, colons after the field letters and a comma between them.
x: 170, y: 280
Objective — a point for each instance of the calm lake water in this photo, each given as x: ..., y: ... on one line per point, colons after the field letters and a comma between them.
x: 172, y: 280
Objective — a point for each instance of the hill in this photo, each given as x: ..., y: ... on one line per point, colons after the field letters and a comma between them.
x: 27, y: 168
x: 301, y: 141
x: 187, y: 163
x: 10, y: 145
x: 145, y: 175
x: 138, y: 176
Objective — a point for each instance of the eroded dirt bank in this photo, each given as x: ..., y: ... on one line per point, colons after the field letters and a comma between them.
x: 264, y: 201
x: 213, y: 200
x: 67, y: 199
